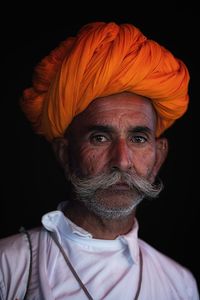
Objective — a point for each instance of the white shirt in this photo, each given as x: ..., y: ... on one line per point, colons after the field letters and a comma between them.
x: 108, y: 268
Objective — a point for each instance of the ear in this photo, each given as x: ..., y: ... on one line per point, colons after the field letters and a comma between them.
x: 161, y: 154
x: 60, y: 148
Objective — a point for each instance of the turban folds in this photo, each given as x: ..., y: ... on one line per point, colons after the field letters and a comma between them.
x: 104, y: 59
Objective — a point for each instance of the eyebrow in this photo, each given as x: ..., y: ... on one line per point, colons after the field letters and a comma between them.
x: 103, y: 128
x: 111, y: 129
x: 143, y: 129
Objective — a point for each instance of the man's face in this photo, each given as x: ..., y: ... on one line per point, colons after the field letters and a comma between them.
x: 115, y: 133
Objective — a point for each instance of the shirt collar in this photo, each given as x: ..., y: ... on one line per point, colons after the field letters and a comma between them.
x: 131, y: 240
x: 57, y: 222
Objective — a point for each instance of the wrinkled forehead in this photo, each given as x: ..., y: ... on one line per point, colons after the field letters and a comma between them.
x: 115, y: 106
x: 125, y: 100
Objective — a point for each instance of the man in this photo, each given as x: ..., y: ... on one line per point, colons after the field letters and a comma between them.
x: 103, y: 99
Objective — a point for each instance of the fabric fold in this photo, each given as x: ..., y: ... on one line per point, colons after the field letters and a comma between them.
x: 101, y: 60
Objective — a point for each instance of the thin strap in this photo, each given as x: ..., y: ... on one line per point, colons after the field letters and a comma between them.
x: 140, y: 276
x: 23, y: 230
x: 79, y: 280
x: 70, y: 266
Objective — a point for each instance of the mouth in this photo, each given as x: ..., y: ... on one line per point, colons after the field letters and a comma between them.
x: 120, y: 187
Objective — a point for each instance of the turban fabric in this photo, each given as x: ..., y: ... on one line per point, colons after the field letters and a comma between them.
x: 101, y: 60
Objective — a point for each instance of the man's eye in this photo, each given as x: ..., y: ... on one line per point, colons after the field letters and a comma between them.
x: 139, y: 139
x: 98, y: 138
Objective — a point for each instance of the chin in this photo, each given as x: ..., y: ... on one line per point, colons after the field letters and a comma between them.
x: 116, y: 199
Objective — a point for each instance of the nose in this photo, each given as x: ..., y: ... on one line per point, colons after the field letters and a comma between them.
x: 120, y: 156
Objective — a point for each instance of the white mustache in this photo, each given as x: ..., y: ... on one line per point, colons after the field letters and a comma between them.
x: 89, y: 185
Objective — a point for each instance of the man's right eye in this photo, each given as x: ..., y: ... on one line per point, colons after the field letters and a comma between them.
x: 98, y: 139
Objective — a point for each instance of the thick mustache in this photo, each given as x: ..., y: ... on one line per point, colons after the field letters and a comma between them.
x: 106, y: 180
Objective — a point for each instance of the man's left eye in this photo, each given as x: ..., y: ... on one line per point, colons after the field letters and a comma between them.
x: 138, y: 139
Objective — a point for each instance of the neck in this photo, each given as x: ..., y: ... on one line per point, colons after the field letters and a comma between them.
x: 99, y: 227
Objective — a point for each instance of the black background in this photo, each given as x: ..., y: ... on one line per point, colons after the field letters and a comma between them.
x: 33, y: 183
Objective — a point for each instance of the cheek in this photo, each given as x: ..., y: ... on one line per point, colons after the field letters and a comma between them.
x: 90, y: 161
x: 144, y: 163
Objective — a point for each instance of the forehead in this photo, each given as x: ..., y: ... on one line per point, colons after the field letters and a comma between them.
x: 123, y: 106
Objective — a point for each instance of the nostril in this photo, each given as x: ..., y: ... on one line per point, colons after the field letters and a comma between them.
x: 114, y: 168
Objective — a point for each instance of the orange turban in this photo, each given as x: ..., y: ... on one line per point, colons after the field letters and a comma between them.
x: 104, y: 59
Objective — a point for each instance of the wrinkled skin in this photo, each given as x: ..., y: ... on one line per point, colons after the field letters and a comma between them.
x: 114, y: 132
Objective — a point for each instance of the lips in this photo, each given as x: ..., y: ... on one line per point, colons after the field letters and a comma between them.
x: 120, y: 187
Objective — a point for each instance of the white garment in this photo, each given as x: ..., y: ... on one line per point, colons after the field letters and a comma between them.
x: 108, y: 268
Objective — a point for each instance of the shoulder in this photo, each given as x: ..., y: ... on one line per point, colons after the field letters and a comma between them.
x: 154, y: 257
x: 15, y: 243
x: 15, y: 247
x: 15, y: 261
x: 168, y: 271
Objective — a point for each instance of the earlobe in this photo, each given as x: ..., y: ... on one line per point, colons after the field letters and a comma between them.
x: 60, y: 148
x: 161, y: 154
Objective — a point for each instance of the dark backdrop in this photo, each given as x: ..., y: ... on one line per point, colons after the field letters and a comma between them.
x: 34, y: 184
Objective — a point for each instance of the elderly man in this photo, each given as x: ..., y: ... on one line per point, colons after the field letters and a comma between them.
x: 103, y: 99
